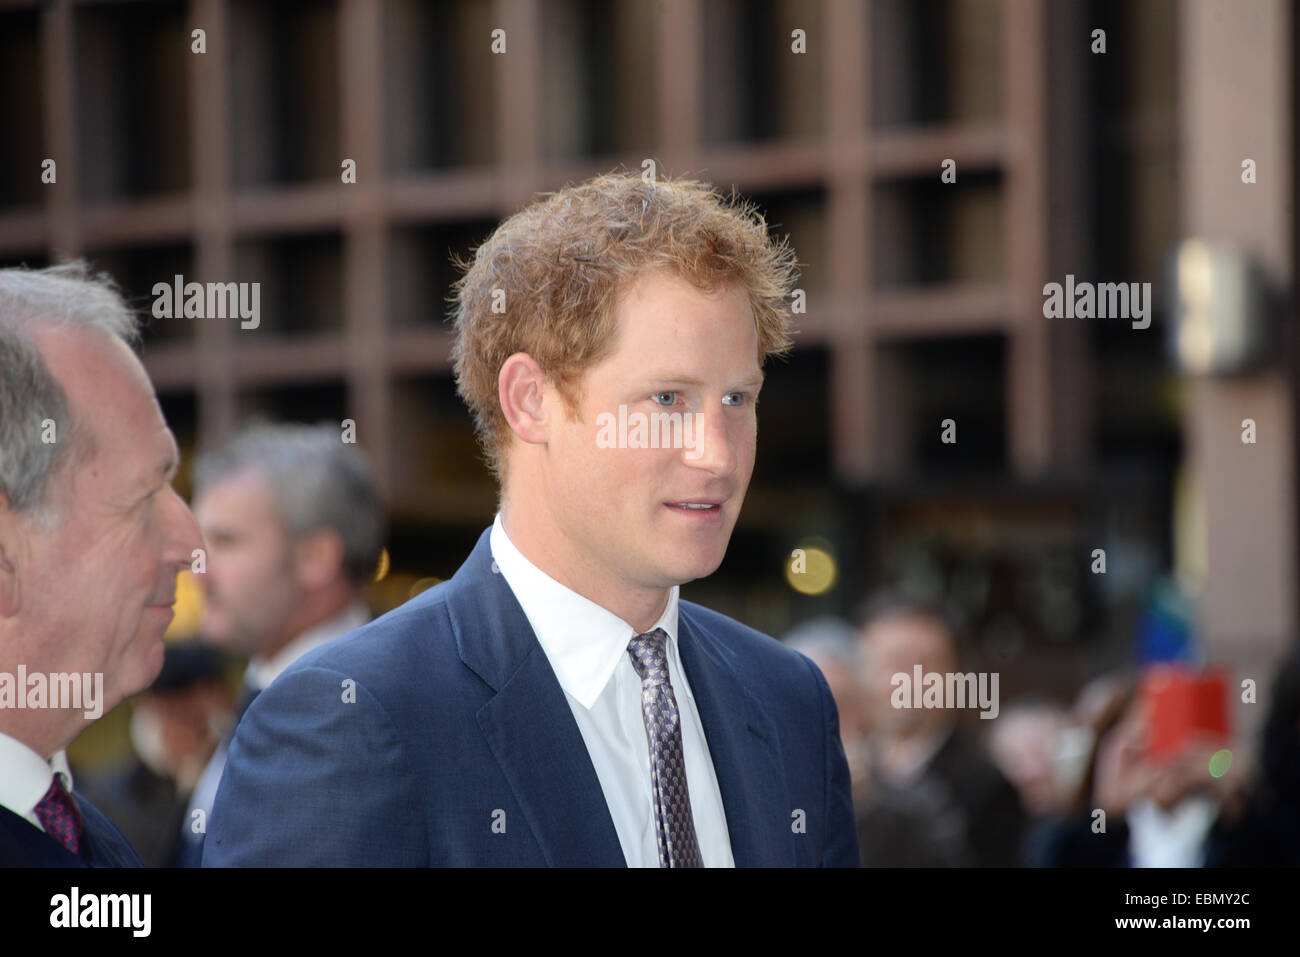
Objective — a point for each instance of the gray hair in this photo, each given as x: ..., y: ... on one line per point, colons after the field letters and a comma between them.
x: 317, y: 481
x: 827, y: 639
x: 68, y: 296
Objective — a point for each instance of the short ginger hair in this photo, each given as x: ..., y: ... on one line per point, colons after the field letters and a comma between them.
x: 561, y: 263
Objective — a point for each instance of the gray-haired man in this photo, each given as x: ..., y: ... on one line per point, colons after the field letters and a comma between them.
x: 92, y: 536
x: 294, y: 526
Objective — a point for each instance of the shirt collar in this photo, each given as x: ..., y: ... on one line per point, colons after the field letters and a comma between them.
x: 583, y: 641
x: 25, y: 776
x: 262, y: 671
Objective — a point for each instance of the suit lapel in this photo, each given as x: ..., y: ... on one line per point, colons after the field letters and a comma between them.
x: 742, y: 743
x: 530, y: 728
x: 22, y: 845
x: 528, y: 724
x: 100, y: 845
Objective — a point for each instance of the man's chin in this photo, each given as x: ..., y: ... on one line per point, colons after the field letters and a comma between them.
x: 153, y: 662
x: 228, y: 639
x: 692, y: 568
x: 138, y: 674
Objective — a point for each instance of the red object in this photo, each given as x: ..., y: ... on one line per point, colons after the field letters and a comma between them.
x: 59, y: 815
x: 1181, y: 705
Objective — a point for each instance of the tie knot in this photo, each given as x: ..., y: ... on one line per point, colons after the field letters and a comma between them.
x: 648, y: 656
x: 57, y: 811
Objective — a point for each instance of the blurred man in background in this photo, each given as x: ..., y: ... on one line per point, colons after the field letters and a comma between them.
x: 1031, y: 744
x: 175, y: 727
x: 293, y: 525
x: 831, y: 644
x: 934, y: 797
x: 1024, y: 743
x: 92, y: 537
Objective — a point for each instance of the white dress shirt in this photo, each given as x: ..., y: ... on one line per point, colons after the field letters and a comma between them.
x: 25, y: 776
x: 1174, y: 838
x: 587, y: 648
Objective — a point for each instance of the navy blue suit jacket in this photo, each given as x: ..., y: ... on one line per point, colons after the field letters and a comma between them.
x: 102, y: 845
x: 438, y: 734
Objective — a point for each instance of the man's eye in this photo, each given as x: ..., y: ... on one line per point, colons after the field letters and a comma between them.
x: 737, y: 398
x: 672, y: 398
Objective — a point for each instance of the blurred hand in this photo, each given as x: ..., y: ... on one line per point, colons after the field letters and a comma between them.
x: 1123, y: 772
x: 1190, y: 771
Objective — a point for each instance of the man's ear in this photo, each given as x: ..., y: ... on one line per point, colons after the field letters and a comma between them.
x: 521, y: 390
x: 10, y: 598
x: 317, y: 559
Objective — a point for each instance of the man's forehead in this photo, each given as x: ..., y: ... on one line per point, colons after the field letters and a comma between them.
x: 662, y: 304
x: 241, y: 499
x: 243, y: 485
x: 111, y: 401
x: 909, y: 634
x: 96, y: 370
x: 62, y: 342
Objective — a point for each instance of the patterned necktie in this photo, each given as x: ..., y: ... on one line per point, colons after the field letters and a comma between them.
x: 58, y: 814
x: 674, y: 825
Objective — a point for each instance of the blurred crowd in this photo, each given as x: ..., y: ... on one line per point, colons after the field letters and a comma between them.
x: 1046, y: 783
x: 1043, y: 783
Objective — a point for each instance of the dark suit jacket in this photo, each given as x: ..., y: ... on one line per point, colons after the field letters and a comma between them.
x: 994, y: 816
x: 102, y: 845
x: 459, y: 747
x: 145, y: 807
x: 959, y: 812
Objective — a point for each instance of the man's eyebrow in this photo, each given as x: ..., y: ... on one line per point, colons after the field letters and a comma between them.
x: 669, y: 378
x: 162, y: 474
x: 169, y: 466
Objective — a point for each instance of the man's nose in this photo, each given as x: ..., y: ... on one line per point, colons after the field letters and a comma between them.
x: 182, y: 531
x: 714, y: 450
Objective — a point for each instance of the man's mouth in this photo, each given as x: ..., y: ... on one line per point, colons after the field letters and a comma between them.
x: 697, y: 506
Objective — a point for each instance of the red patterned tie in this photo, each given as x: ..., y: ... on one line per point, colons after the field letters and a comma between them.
x: 58, y: 814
